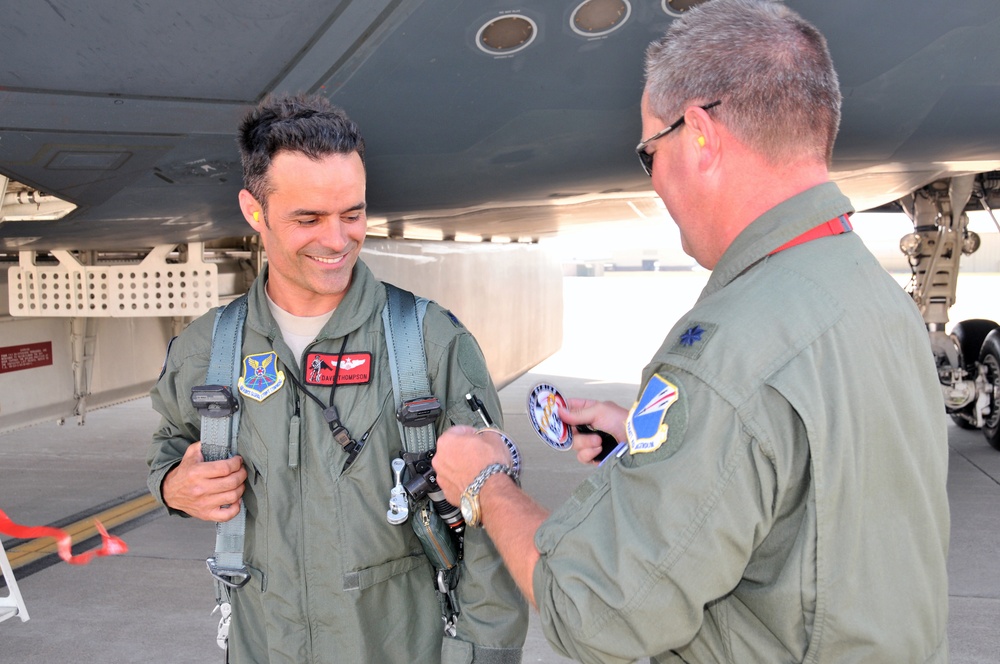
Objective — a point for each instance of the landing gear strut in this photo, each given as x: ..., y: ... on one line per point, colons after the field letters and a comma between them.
x: 968, y: 359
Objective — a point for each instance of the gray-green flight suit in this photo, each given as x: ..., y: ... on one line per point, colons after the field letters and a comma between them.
x: 786, y: 502
x: 332, y: 580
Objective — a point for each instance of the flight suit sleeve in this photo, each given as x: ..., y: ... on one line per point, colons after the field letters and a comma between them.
x: 180, y: 424
x: 494, y: 615
x: 629, y: 563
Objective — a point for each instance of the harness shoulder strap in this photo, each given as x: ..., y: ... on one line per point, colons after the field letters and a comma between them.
x: 417, y: 410
x: 220, y: 423
x: 402, y: 319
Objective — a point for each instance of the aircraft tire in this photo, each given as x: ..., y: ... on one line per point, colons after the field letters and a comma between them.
x: 990, y: 357
x: 969, y: 336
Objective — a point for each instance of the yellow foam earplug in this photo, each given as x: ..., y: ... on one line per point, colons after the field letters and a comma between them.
x: 256, y: 216
x: 701, y: 141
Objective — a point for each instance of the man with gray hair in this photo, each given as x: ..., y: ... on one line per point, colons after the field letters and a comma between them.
x: 779, y: 493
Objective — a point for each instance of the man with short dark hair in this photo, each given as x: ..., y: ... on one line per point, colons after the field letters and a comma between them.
x: 331, y: 579
x: 779, y: 495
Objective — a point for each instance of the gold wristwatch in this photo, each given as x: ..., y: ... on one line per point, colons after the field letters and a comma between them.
x: 471, y: 511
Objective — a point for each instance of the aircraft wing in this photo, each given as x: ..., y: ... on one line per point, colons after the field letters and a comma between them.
x: 487, y: 119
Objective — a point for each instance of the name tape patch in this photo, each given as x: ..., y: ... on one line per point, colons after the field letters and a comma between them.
x: 355, y: 368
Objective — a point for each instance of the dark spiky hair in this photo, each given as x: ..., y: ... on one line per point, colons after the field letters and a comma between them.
x: 309, y: 124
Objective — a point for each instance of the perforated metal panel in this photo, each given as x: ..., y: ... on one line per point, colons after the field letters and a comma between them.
x: 153, y: 287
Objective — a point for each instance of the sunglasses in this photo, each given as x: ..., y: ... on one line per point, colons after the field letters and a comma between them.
x: 645, y: 158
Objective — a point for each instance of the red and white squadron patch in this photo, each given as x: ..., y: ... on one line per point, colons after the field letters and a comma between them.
x: 355, y: 368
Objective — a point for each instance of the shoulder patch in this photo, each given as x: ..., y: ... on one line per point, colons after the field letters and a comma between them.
x: 261, y: 377
x: 646, y: 426
x: 472, y: 362
x: 693, y: 339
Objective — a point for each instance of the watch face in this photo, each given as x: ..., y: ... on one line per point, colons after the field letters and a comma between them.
x: 466, y: 508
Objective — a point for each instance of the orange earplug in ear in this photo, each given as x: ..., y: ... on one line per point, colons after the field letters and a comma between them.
x: 701, y: 141
x: 256, y: 216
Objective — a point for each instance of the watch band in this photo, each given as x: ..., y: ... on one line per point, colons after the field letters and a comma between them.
x: 471, y: 510
x: 485, y: 474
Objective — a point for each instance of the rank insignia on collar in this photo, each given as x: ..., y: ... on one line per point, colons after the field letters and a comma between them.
x: 693, y: 339
x: 645, y: 427
x: 692, y: 335
x: 261, y: 377
x: 354, y: 368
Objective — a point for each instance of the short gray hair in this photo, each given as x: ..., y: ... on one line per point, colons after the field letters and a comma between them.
x: 770, y: 67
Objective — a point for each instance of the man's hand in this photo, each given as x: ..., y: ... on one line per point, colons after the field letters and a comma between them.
x: 461, y: 455
x: 602, y: 415
x: 207, y: 490
x: 510, y: 517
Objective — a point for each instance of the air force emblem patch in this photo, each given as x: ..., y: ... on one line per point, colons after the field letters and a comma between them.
x: 645, y: 426
x: 261, y: 377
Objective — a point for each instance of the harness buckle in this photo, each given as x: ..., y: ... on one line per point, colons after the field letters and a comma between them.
x: 231, y: 578
x: 419, y: 412
x: 213, y: 400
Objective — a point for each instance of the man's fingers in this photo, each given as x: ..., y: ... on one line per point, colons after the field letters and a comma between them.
x: 219, y: 468
x: 586, y: 455
x: 573, y: 414
x: 577, y: 404
x: 230, y: 481
x: 205, y: 489
x: 193, y: 453
x: 224, y: 468
x: 587, y: 446
x: 225, y: 513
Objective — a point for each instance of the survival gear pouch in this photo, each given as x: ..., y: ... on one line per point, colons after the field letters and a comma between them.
x: 416, y: 413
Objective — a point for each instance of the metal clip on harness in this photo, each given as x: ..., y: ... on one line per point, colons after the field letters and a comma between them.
x: 231, y: 578
x: 419, y: 412
x: 213, y: 401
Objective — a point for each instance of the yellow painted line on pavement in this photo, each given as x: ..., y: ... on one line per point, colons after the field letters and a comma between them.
x: 30, y: 551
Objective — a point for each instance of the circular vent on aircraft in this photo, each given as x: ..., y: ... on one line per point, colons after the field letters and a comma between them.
x: 594, y: 18
x: 678, y: 7
x: 506, y: 34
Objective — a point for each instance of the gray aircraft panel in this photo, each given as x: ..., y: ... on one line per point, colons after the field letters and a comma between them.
x: 130, y: 109
x: 184, y: 49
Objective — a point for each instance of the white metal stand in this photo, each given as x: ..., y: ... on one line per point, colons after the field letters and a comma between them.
x: 11, y: 605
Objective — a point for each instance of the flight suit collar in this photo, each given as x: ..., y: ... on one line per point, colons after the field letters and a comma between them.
x: 782, y: 223
x: 364, y: 297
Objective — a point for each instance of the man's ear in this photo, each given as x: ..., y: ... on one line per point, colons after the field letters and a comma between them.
x: 704, y: 135
x: 253, y: 211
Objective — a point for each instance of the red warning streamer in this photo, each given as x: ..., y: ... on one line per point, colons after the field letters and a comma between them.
x: 110, y: 545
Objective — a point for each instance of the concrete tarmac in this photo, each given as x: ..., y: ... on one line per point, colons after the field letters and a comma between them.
x: 153, y: 604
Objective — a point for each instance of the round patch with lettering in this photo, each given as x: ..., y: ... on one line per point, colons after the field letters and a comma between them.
x: 543, y: 411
